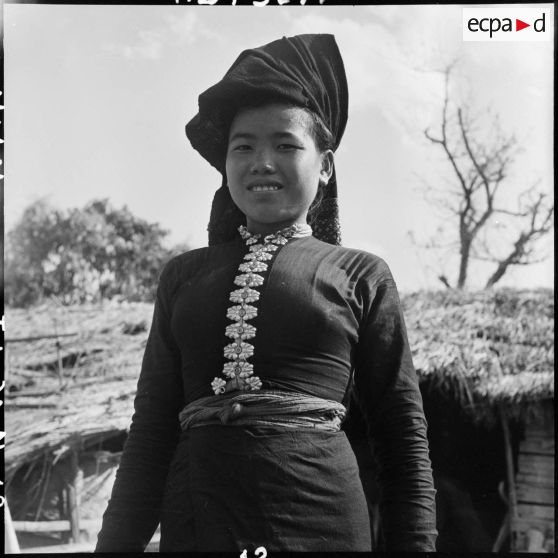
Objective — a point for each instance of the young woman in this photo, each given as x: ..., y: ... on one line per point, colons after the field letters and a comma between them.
x: 261, y: 341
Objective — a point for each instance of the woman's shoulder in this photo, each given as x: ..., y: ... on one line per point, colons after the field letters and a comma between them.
x: 182, y: 262
x: 186, y: 264
x: 360, y: 262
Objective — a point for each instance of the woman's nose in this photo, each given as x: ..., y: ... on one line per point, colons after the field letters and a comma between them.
x: 262, y: 164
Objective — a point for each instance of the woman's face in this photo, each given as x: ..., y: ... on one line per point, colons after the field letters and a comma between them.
x: 273, y: 166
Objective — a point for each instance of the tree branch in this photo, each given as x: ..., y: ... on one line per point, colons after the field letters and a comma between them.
x: 473, y: 159
x: 522, y: 251
x: 444, y: 281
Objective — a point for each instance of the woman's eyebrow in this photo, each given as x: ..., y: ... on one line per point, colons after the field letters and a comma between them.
x: 249, y: 136
x: 242, y: 135
x: 285, y: 135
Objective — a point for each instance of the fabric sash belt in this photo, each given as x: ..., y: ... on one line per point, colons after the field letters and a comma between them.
x: 264, y: 408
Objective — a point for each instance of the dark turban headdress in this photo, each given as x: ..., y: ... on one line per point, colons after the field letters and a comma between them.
x: 304, y: 70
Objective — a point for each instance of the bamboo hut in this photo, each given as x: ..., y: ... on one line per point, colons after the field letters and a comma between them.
x: 488, y: 357
x: 491, y: 354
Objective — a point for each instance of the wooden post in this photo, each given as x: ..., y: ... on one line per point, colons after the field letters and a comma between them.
x: 74, y: 496
x: 11, y: 545
x: 512, y: 496
x: 62, y: 508
x: 60, y: 365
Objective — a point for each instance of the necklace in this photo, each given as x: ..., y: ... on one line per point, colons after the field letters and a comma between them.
x: 297, y: 230
x: 238, y: 370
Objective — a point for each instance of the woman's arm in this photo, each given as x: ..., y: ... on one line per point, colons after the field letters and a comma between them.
x: 386, y: 390
x: 133, y: 510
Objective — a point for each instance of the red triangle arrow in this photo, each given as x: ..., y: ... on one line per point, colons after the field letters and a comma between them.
x: 519, y: 25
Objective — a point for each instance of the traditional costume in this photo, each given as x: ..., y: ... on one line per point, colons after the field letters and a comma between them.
x: 258, y: 346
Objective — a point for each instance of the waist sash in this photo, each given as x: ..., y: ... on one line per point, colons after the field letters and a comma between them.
x: 264, y: 408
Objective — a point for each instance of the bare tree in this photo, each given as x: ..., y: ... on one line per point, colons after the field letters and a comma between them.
x: 481, y: 156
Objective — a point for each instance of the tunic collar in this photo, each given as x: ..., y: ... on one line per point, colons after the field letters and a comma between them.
x: 298, y: 230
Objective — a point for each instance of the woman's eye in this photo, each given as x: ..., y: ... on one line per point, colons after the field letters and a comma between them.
x: 242, y: 147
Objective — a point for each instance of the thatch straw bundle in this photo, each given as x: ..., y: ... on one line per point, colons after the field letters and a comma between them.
x: 487, y: 348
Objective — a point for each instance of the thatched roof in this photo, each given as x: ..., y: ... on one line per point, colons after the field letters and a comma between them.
x: 101, y: 365
x: 77, y: 418
x: 487, y: 348
x: 484, y: 348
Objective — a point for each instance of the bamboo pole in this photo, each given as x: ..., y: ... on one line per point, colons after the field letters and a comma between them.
x: 11, y: 545
x: 45, y: 481
x: 503, y: 533
x: 512, y: 495
x: 60, y: 365
x: 73, y: 496
x: 24, y: 405
x: 56, y: 526
x: 38, y: 337
x: 62, y: 508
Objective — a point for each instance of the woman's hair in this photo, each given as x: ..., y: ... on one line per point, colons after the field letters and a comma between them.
x: 324, y: 141
x: 323, y: 138
x: 320, y: 132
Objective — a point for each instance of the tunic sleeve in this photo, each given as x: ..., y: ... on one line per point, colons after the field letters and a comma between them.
x: 387, y: 394
x: 133, y: 511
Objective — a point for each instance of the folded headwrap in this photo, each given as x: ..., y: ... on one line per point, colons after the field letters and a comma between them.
x: 304, y: 70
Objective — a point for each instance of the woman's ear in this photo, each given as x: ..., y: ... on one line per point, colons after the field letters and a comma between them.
x: 327, y: 166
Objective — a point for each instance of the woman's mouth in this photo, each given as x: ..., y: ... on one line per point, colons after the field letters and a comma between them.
x: 264, y: 187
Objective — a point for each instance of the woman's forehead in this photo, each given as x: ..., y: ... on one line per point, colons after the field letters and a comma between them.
x: 271, y: 118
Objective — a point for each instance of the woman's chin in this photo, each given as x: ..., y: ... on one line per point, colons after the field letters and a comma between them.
x: 270, y: 223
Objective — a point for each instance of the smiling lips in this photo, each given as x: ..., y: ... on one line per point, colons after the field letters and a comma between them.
x: 267, y: 187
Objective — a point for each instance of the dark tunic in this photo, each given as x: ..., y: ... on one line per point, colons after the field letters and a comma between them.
x: 328, y: 318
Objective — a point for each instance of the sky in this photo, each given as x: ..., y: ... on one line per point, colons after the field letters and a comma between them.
x: 97, y: 97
